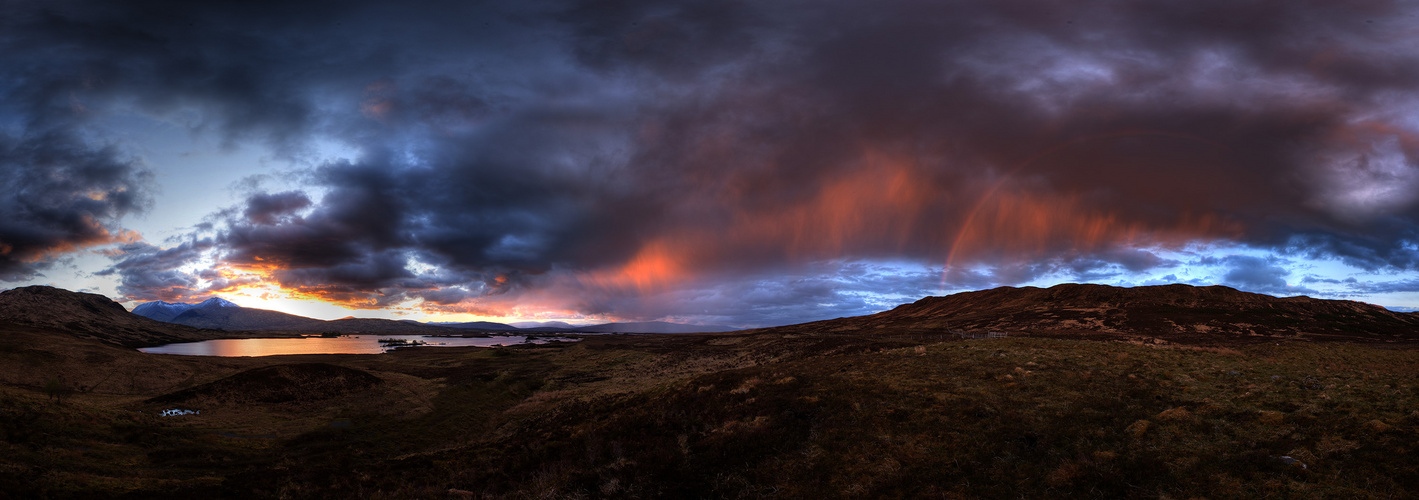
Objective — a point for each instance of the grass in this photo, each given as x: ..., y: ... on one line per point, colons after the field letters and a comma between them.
x: 759, y: 415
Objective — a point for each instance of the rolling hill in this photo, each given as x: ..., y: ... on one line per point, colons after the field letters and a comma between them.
x: 653, y: 327
x: 854, y: 407
x: 90, y: 316
x: 1166, y: 312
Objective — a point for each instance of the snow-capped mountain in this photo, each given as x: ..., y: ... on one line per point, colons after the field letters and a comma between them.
x: 166, y: 311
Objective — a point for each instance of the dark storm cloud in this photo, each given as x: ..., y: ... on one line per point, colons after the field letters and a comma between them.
x: 376, y: 280
x: 59, y: 195
x: 148, y: 272
x: 1387, y: 244
x: 361, y: 214
x: 676, y: 39
x: 276, y: 72
x: 268, y: 209
x: 628, y: 146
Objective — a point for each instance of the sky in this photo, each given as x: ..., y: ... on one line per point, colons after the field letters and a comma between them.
x: 746, y: 163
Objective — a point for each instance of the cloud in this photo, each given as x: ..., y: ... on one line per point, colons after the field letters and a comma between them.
x: 1383, y: 286
x: 59, y: 195
x: 807, y: 293
x: 631, y: 151
x: 148, y: 272
x: 268, y: 209
x: 1259, y: 274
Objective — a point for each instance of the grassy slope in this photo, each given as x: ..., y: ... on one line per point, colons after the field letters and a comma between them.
x: 755, y: 415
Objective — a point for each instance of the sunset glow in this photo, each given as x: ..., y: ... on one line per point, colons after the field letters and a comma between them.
x: 747, y: 168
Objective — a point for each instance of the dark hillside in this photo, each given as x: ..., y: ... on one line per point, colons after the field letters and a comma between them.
x: 90, y: 316
x: 1179, y: 312
x: 277, y: 384
x: 851, y: 408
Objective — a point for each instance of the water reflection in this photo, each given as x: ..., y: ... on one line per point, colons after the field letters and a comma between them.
x: 353, y: 344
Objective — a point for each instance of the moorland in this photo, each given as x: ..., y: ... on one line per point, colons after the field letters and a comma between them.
x: 1070, y: 391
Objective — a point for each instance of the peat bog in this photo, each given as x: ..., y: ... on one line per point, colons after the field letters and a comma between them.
x: 792, y: 412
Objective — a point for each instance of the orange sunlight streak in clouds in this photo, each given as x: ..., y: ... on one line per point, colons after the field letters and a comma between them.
x: 889, y: 207
x: 876, y: 208
x: 886, y: 207
x: 100, y: 235
x: 258, y: 281
x: 1025, y: 226
x: 1016, y: 219
x: 879, y: 207
x: 256, y: 286
x: 655, y: 266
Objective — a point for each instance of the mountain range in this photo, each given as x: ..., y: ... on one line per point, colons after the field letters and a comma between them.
x: 220, y: 314
x: 1085, y: 403
x: 167, y: 311
x: 542, y: 324
x: 1169, y: 312
x: 651, y: 327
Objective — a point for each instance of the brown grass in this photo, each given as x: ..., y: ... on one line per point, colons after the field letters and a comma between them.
x: 736, y: 416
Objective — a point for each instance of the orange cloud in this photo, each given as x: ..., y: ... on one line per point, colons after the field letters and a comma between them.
x: 882, y: 207
x: 885, y: 206
x: 879, y: 206
x: 655, y: 266
x: 893, y: 207
x: 94, y: 234
x: 1029, y: 225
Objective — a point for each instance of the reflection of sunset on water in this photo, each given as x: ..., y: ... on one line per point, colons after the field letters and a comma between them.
x: 353, y: 344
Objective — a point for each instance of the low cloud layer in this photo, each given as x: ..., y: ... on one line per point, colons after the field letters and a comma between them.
x: 724, y: 160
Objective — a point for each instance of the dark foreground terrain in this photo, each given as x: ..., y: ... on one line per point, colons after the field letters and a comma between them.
x: 830, y: 409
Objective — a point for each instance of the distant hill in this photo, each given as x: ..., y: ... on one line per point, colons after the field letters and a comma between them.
x: 653, y: 327
x: 564, y: 327
x: 90, y: 316
x: 1167, y: 311
x: 480, y: 325
x: 542, y: 324
x: 385, y: 326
